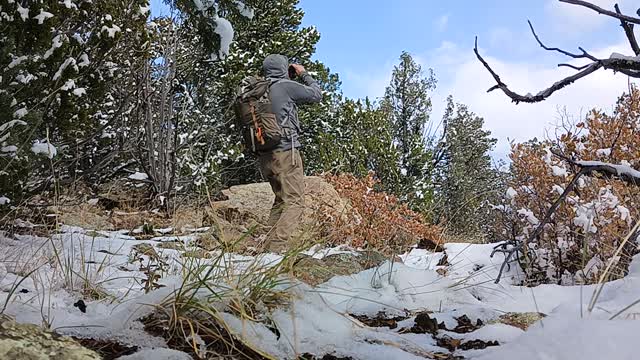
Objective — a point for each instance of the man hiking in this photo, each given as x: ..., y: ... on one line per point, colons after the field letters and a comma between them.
x: 282, y: 166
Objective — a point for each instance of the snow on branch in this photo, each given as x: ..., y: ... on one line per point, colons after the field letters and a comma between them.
x: 628, y: 65
x: 623, y: 172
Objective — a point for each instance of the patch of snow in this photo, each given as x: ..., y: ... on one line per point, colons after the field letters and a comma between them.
x: 245, y: 10
x: 225, y: 30
x: 20, y: 113
x: 565, y: 338
x: 111, y: 30
x: 68, y: 62
x: 422, y: 259
x: 84, y: 60
x: 9, y: 149
x: 44, y: 15
x: 603, y: 152
x: 24, y: 12
x: 557, y: 189
x: 17, y: 61
x: 157, y: 354
x: 4, y: 200
x: 79, y: 92
x: 69, y: 4
x: 529, y: 216
x: 618, y: 56
x: 139, y: 176
x: 70, y: 84
x: 584, y: 218
x: 164, y: 230
x: 55, y: 43
x: 317, y: 252
x: 559, y: 171
x: 9, y: 124
x: 511, y: 193
x: 44, y: 148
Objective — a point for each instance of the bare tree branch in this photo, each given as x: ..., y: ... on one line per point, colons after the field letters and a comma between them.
x: 602, y: 11
x: 575, y: 56
x: 628, y: 30
x: 542, y: 95
x: 626, y: 65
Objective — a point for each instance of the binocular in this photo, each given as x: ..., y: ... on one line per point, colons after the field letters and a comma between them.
x: 292, y: 72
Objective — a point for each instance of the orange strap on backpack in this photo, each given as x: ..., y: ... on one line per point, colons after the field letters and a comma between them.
x: 255, y: 123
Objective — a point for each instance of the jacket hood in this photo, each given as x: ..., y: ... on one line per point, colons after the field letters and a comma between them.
x: 276, y: 66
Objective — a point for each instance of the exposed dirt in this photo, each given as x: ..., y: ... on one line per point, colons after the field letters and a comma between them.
x: 380, y: 320
x: 325, y: 357
x: 466, y: 326
x: 477, y: 344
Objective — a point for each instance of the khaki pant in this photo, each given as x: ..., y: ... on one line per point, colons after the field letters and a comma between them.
x: 284, y: 171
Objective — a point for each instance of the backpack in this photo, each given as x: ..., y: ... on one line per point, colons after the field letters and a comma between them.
x: 258, y: 123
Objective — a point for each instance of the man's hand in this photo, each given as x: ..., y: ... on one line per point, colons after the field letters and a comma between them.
x: 298, y: 68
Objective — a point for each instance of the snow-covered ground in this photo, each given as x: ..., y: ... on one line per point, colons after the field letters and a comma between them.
x: 42, y: 278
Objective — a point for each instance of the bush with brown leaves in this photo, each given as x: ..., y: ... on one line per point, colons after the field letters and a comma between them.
x: 588, y: 227
x: 378, y: 220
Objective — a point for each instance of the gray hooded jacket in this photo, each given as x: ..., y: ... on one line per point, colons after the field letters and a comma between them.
x: 286, y: 94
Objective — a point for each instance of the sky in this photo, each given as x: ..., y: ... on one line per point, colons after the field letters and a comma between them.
x: 361, y: 40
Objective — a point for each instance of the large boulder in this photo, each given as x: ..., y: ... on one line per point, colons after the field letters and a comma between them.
x: 30, y: 342
x: 248, y: 205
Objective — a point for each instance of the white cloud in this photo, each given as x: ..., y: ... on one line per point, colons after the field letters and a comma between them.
x: 442, y: 22
x: 467, y: 80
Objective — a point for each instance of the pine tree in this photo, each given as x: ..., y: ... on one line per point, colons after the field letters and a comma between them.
x: 65, y: 70
x: 408, y: 106
x: 465, y: 177
x: 270, y: 27
x: 358, y: 139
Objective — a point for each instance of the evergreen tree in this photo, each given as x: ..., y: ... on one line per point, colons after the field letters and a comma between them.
x: 466, y: 179
x: 65, y: 80
x: 408, y: 106
x: 269, y: 27
x: 359, y: 139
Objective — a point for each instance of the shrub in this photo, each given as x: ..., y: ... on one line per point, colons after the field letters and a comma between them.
x: 588, y: 227
x: 378, y: 220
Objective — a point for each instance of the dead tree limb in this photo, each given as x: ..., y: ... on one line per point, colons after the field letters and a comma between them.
x: 627, y: 65
x: 628, y: 30
x: 602, y: 11
x: 584, y: 54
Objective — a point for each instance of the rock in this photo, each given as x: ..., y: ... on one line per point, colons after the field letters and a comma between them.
x: 29, y: 342
x: 249, y: 205
x: 317, y: 271
x: 520, y: 320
